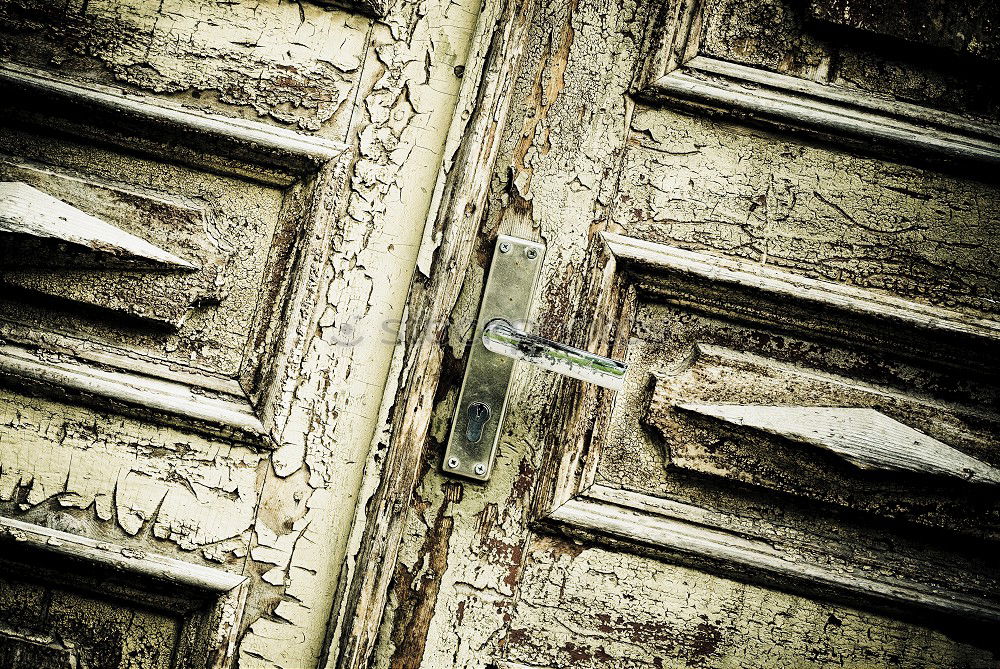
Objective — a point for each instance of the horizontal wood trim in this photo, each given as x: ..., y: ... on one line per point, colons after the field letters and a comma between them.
x: 228, y: 145
x: 687, y: 532
x: 16, y: 535
x: 146, y: 396
x: 837, y: 113
x: 783, y: 285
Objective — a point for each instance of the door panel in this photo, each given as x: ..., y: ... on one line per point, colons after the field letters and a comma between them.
x: 215, y: 404
x: 787, y: 230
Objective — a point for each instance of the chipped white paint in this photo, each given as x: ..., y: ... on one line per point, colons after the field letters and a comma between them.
x: 471, y: 573
x: 189, y: 491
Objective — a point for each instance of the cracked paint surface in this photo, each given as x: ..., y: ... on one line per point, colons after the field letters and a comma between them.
x: 475, y: 586
x: 387, y: 88
x: 697, y: 184
x: 194, y: 493
x: 292, y: 63
x: 473, y: 583
x: 581, y: 608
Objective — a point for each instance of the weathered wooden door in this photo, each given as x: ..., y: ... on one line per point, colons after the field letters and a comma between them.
x: 209, y: 217
x: 783, y: 215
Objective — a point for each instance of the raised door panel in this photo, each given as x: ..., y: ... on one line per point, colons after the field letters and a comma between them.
x: 802, y: 469
x: 189, y: 340
x: 154, y: 267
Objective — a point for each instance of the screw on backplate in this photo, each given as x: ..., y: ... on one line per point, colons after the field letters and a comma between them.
x: 480, y: 469
x: 531, y: 253
x: 452, y: 463
x: 504, y: 247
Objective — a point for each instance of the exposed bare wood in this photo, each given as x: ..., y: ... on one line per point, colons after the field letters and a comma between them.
x: 452, y: 235
x: 866, y: 438
x: 339, y: 182
x: 34, y: 218
x: 678, y: 71
x: 728, y: 272
x: 687, y: 278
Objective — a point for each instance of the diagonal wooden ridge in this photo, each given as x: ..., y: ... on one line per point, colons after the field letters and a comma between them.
x: 33, y: 224
x: 866, y: 438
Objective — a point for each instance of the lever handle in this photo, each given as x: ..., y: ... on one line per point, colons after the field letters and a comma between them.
x: 499, y: 336
x: 476, y: 427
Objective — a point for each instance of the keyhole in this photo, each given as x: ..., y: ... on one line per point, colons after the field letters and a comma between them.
x: 478, y: 414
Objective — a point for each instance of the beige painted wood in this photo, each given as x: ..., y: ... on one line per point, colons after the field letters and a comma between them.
x: 648, y: 254
x: 29, y: 213
x: 117, y: 557
x: 388, y: 154
x: 866, y: 438
x: 295, y: 145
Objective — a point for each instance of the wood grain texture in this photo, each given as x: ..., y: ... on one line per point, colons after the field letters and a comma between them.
x: 451, y: 240
x: 38, y: 220
x: 728, y: 272
x: 865, y: 438
x: 384, y: 92
x: 699, y: 285
x: 228, y: 415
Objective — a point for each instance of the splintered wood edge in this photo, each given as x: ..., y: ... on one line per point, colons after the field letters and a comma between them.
x: 140, y: 563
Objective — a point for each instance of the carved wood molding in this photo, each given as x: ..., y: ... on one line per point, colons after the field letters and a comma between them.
x: 206, y: 601
x: 688, y: 533
x: 573, y: 502
x: 189, y: 405
x: 676, y: 73
x: 248, y: 149
x: 308, y: 171
x: 833, y: 311
x: 17, y: 536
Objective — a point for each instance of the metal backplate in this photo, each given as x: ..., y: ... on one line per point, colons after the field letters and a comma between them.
x: 509, y: 288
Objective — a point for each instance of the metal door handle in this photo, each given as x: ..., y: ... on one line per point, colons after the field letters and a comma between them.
x: 499, y: 336
x: 482, y: 401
